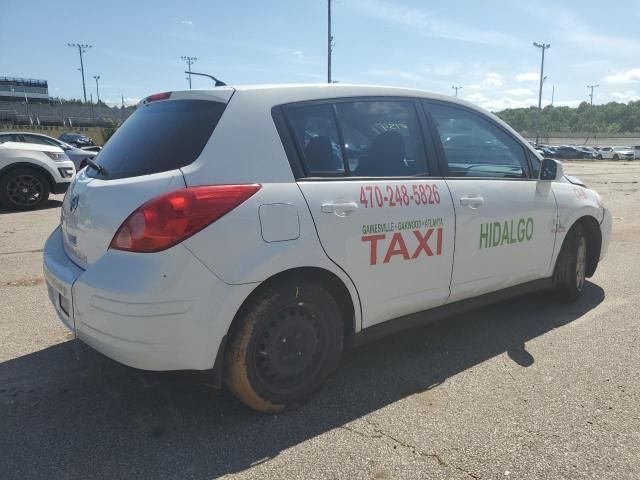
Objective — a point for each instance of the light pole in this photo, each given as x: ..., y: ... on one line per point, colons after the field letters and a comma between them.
x: 456, y: 88
x: 329, y: 41
x: 190, y: 61
x: 542, y: 46
x: 97, y: 77
x: 82, y: 47
x: 591, y: 87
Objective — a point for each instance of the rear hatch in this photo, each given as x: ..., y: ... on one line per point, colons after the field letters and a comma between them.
x: 139, y: 162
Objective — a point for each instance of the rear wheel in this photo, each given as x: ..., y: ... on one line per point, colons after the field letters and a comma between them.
x: 571, y: 266
x: 616, y: 157
x: 23, y: 189
x: 285, y: 344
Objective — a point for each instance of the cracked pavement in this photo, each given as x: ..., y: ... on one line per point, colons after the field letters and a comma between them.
x: 528, y: 389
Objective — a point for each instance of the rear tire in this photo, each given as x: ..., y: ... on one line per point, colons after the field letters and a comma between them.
x: 284, y: 345
x: 23, y: 189
x: 571, y: 266
x: 616, y: 157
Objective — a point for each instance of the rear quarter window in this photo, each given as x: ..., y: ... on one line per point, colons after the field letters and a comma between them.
x: 159, y: 137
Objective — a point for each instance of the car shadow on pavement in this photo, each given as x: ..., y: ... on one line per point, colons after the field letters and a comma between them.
x: 69, y: 412
x: 51, y: 203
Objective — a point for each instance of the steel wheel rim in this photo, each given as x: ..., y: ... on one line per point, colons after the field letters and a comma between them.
x: 581, y: 263
x: 290, y: 347
x: 25, y: 190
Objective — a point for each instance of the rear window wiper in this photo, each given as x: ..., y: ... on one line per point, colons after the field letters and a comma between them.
x: 97, y: 167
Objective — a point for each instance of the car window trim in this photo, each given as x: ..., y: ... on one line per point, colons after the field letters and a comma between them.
x: 294, y: 156
x: 442, y: 158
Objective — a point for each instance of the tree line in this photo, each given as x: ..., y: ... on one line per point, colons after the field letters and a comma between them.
x: 611, y: 117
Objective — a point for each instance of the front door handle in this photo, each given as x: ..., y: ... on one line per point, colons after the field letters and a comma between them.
x: 341, y: 209
x: 472, y: 202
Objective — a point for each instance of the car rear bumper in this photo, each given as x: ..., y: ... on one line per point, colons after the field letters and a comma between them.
x: 157, y: 311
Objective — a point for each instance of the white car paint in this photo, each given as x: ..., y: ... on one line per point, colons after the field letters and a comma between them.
x: 171, y: 309
x: 58, y: 172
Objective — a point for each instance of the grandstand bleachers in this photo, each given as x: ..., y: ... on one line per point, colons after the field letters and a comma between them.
x: 22, y: 113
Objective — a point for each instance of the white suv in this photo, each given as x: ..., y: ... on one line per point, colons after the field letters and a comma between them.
x: 261, y: 230
x: 29, y: 172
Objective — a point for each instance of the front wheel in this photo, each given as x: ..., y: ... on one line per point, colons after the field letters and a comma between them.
x: 23, y: 189
x: 616, y: 157
x: 571, y: 266
x: 283, y: 345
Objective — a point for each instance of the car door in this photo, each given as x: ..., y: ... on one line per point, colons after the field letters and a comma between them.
x: 379, y: 214
x: 505, y: 224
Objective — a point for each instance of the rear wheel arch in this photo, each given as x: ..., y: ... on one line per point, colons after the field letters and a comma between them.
x: 324, y: 278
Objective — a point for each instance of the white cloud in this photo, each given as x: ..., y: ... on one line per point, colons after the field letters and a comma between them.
x: 476, y: 98
x: 628, y: 76
x: 491, y: 79
x: 128, y: 101
x: 519, y: 92
x: 628, y: 96
x: 186, y: 22
x: 395, y: 74
x: 425, y: 22
x: 571, y: 29
x: 528, y: 77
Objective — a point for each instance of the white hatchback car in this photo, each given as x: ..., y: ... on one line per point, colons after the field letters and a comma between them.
x: 261, y: 230
x: 29, y: 172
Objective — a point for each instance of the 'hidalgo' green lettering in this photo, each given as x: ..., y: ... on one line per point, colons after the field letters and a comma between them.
x: 496, y: 234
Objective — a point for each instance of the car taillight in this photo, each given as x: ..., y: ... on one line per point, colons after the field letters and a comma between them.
x: 173, y: 217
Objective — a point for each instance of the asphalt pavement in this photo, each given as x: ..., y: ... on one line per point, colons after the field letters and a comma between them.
x: 528, y: 389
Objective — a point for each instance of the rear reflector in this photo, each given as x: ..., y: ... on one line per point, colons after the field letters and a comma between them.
x: 158, y: 96
x: 173, y: 217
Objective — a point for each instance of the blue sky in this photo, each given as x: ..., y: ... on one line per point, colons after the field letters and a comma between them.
x: 484, y: 46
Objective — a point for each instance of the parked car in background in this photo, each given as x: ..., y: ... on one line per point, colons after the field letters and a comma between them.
x: 623, y: 153
x: 29, y: 172
x: 605, y: 153
x: 636, y: 152
x: 566, y: 151
x: 77, y: 139
x: 545, y: 151
x: 94, y: 148
x: 589, y: 152
x: 77, y: 155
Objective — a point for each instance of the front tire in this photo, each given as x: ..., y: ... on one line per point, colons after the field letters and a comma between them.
x: 284, y: 345
x: 23, y: 189
x: 571, y: 266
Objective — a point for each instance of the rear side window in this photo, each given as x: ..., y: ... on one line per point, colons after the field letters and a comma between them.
x: 365, y: 138
x: 159, y: 137
x: 316, y: 137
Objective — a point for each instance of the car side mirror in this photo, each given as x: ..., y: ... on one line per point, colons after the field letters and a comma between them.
x: 551, y: 170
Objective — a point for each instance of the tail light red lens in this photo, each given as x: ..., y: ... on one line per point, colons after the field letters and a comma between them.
x: 173, y: 217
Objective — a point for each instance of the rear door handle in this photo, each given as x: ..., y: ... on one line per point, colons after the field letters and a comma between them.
x: 472, y: 202
x: 341, y: 209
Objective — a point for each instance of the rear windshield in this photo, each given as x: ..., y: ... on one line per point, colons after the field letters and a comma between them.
x: 158, y: 137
